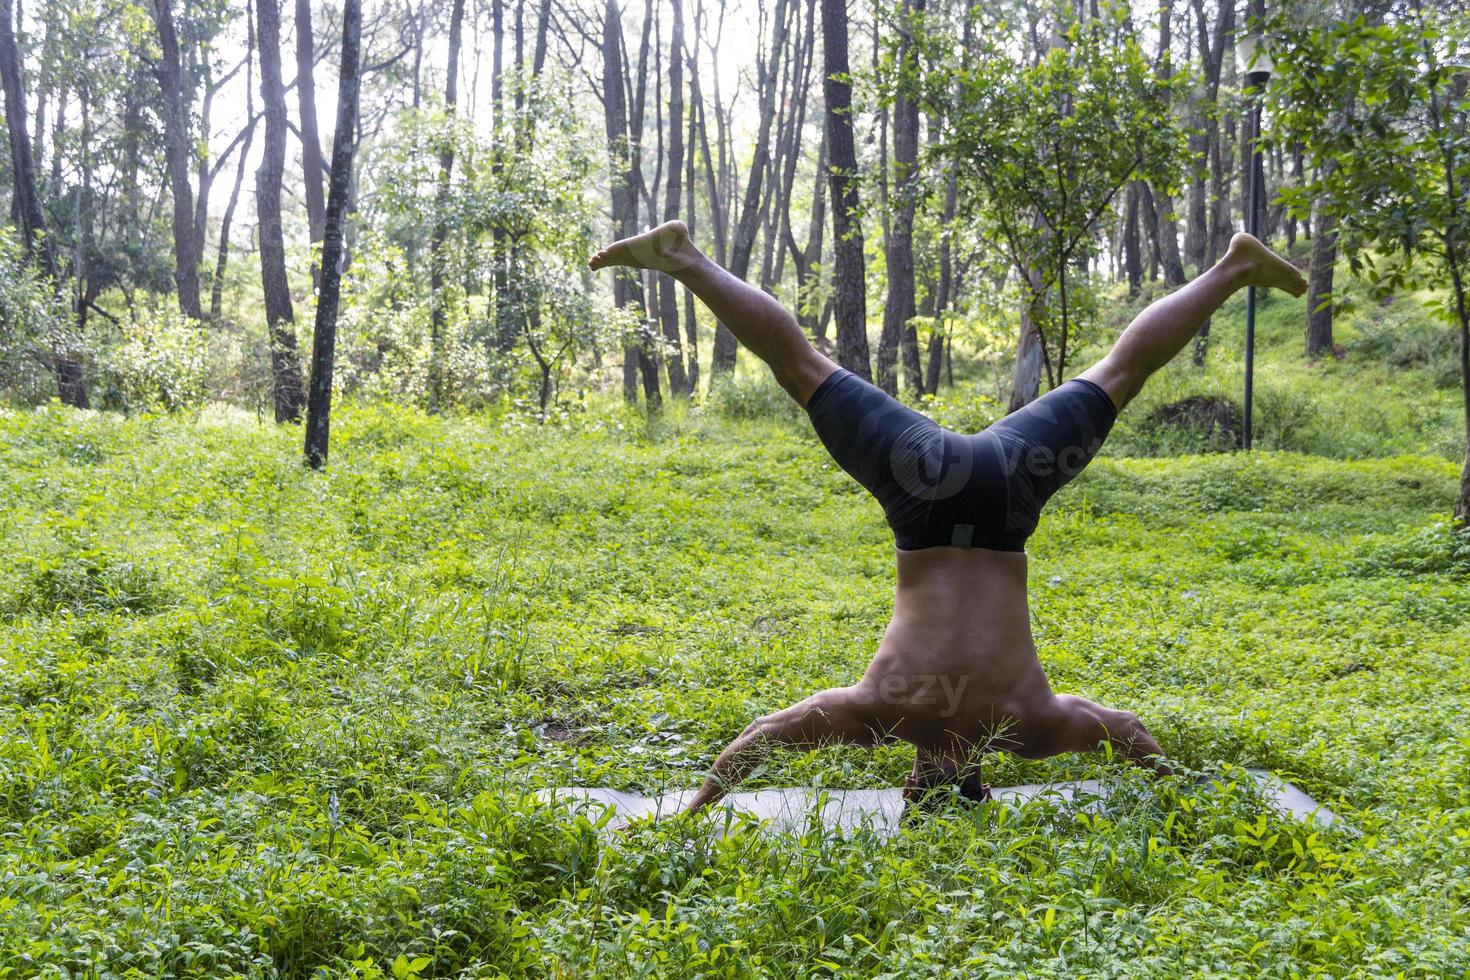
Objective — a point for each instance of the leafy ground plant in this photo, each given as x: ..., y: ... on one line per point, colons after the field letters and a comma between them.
x: 268, y: 722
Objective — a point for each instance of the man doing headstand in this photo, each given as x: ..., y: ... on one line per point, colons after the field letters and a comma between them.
x: 961, y: 508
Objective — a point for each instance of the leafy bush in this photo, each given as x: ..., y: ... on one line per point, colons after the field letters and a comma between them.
x: 155, y: 359
x: 749, y: 398
x: 89, y: 581
x: 34, y: 324
x: 1412, y: 343
x: 1436, y: 549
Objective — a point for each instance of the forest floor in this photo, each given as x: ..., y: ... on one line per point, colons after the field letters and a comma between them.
x: 266, y: 721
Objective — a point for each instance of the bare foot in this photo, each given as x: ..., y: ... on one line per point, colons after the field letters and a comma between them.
x: 666, y: 248
x: 1265, y: 267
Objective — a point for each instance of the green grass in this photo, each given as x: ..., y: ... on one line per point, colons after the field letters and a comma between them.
x: 265, y: 721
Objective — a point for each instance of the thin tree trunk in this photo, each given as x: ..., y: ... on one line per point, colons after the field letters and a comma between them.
x: 626, y: 287
x: 1319, y: 287
x: 1026, y: 378
x: 898, y: 312
x: 849, y: 289
x: 311, y: 143
x: 1160, y: 206
x: 1132, y: 260
x: 179, y: 154
x: 808, y: 260
x: 217, y: 284
x: 726, y: 347
x: 71, y: 382
x: 324, y: 339
x: 673, y: 191
x: 945, y: 288
x: 438, y: 244
x: 279, y: 316
x: 1157, y: 200
x: 691, y: 322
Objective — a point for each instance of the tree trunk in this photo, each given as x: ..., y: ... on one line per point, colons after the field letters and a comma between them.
x: 808, y: 261
x: 1132, y: 259
x: 22, y: 167
x: 179, y: 154
x: 438, y: 243
x: 673, y: 191
x: 279, y: 316
x: 1157, y: 200
x: 1319, y: 286
x: 1026, y: 378
x: 691, y: 322
x: 944, y: 290
x: 741, y: 248
x: 899, y: 332
x: 324, y: 338
x: 217, y: 283
x: 848, y: 286
x: 311, y: 144
x: 626, y: 287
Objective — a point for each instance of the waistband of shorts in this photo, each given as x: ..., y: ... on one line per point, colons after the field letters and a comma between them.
x: 957, y: 536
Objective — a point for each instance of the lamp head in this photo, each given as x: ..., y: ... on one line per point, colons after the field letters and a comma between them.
x: 1254, y: 58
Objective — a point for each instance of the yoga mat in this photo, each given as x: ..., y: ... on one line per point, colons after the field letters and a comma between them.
x: 790, y: 808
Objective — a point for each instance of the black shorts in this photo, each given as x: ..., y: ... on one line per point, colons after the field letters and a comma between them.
x: 944, y: 488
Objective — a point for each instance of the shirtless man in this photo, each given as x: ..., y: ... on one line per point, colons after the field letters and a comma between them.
x: 956, y: 673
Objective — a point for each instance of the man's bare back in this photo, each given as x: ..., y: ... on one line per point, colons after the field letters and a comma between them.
x: 957, y: 673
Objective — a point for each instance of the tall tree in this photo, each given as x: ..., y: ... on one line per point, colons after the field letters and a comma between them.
x: 311, y: 144
x: 279, y: 317
x: 898, y: 313
x: 217, y: 281
x: 767, y: 65
x: 1320, y: 301
x: 179, y: 152
x: 439, y: 298
x: 673, y: 190
x: 627, y: 290
x: 1157, y: 198
x: 848, y: 285
x: 324, y: 341
x: 1209, y: 200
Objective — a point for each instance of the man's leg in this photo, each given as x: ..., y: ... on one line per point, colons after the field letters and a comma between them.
x: 831, y: 717
x: 1162, y: 330
x: 763, y: 325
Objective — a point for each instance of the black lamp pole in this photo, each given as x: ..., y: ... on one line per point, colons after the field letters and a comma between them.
x: 1258, y: 71
x: 1252, y: 225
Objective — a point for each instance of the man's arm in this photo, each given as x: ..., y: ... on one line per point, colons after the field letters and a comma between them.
x: 1087, y: 725
x: 826, y: 718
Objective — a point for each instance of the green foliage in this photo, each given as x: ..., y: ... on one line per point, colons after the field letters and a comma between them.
x: 155, y: 359
x: 1382, y: 111
x: 1043, y: 150
x: 517, y: 217
x: 1413, y: 344
x: 33, y: 324
x: 267, y: 721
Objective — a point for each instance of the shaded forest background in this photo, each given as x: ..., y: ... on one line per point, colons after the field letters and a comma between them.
x: 261, y: 204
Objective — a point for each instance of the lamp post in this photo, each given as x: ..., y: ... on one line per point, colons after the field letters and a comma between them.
x: 1255, y: 61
